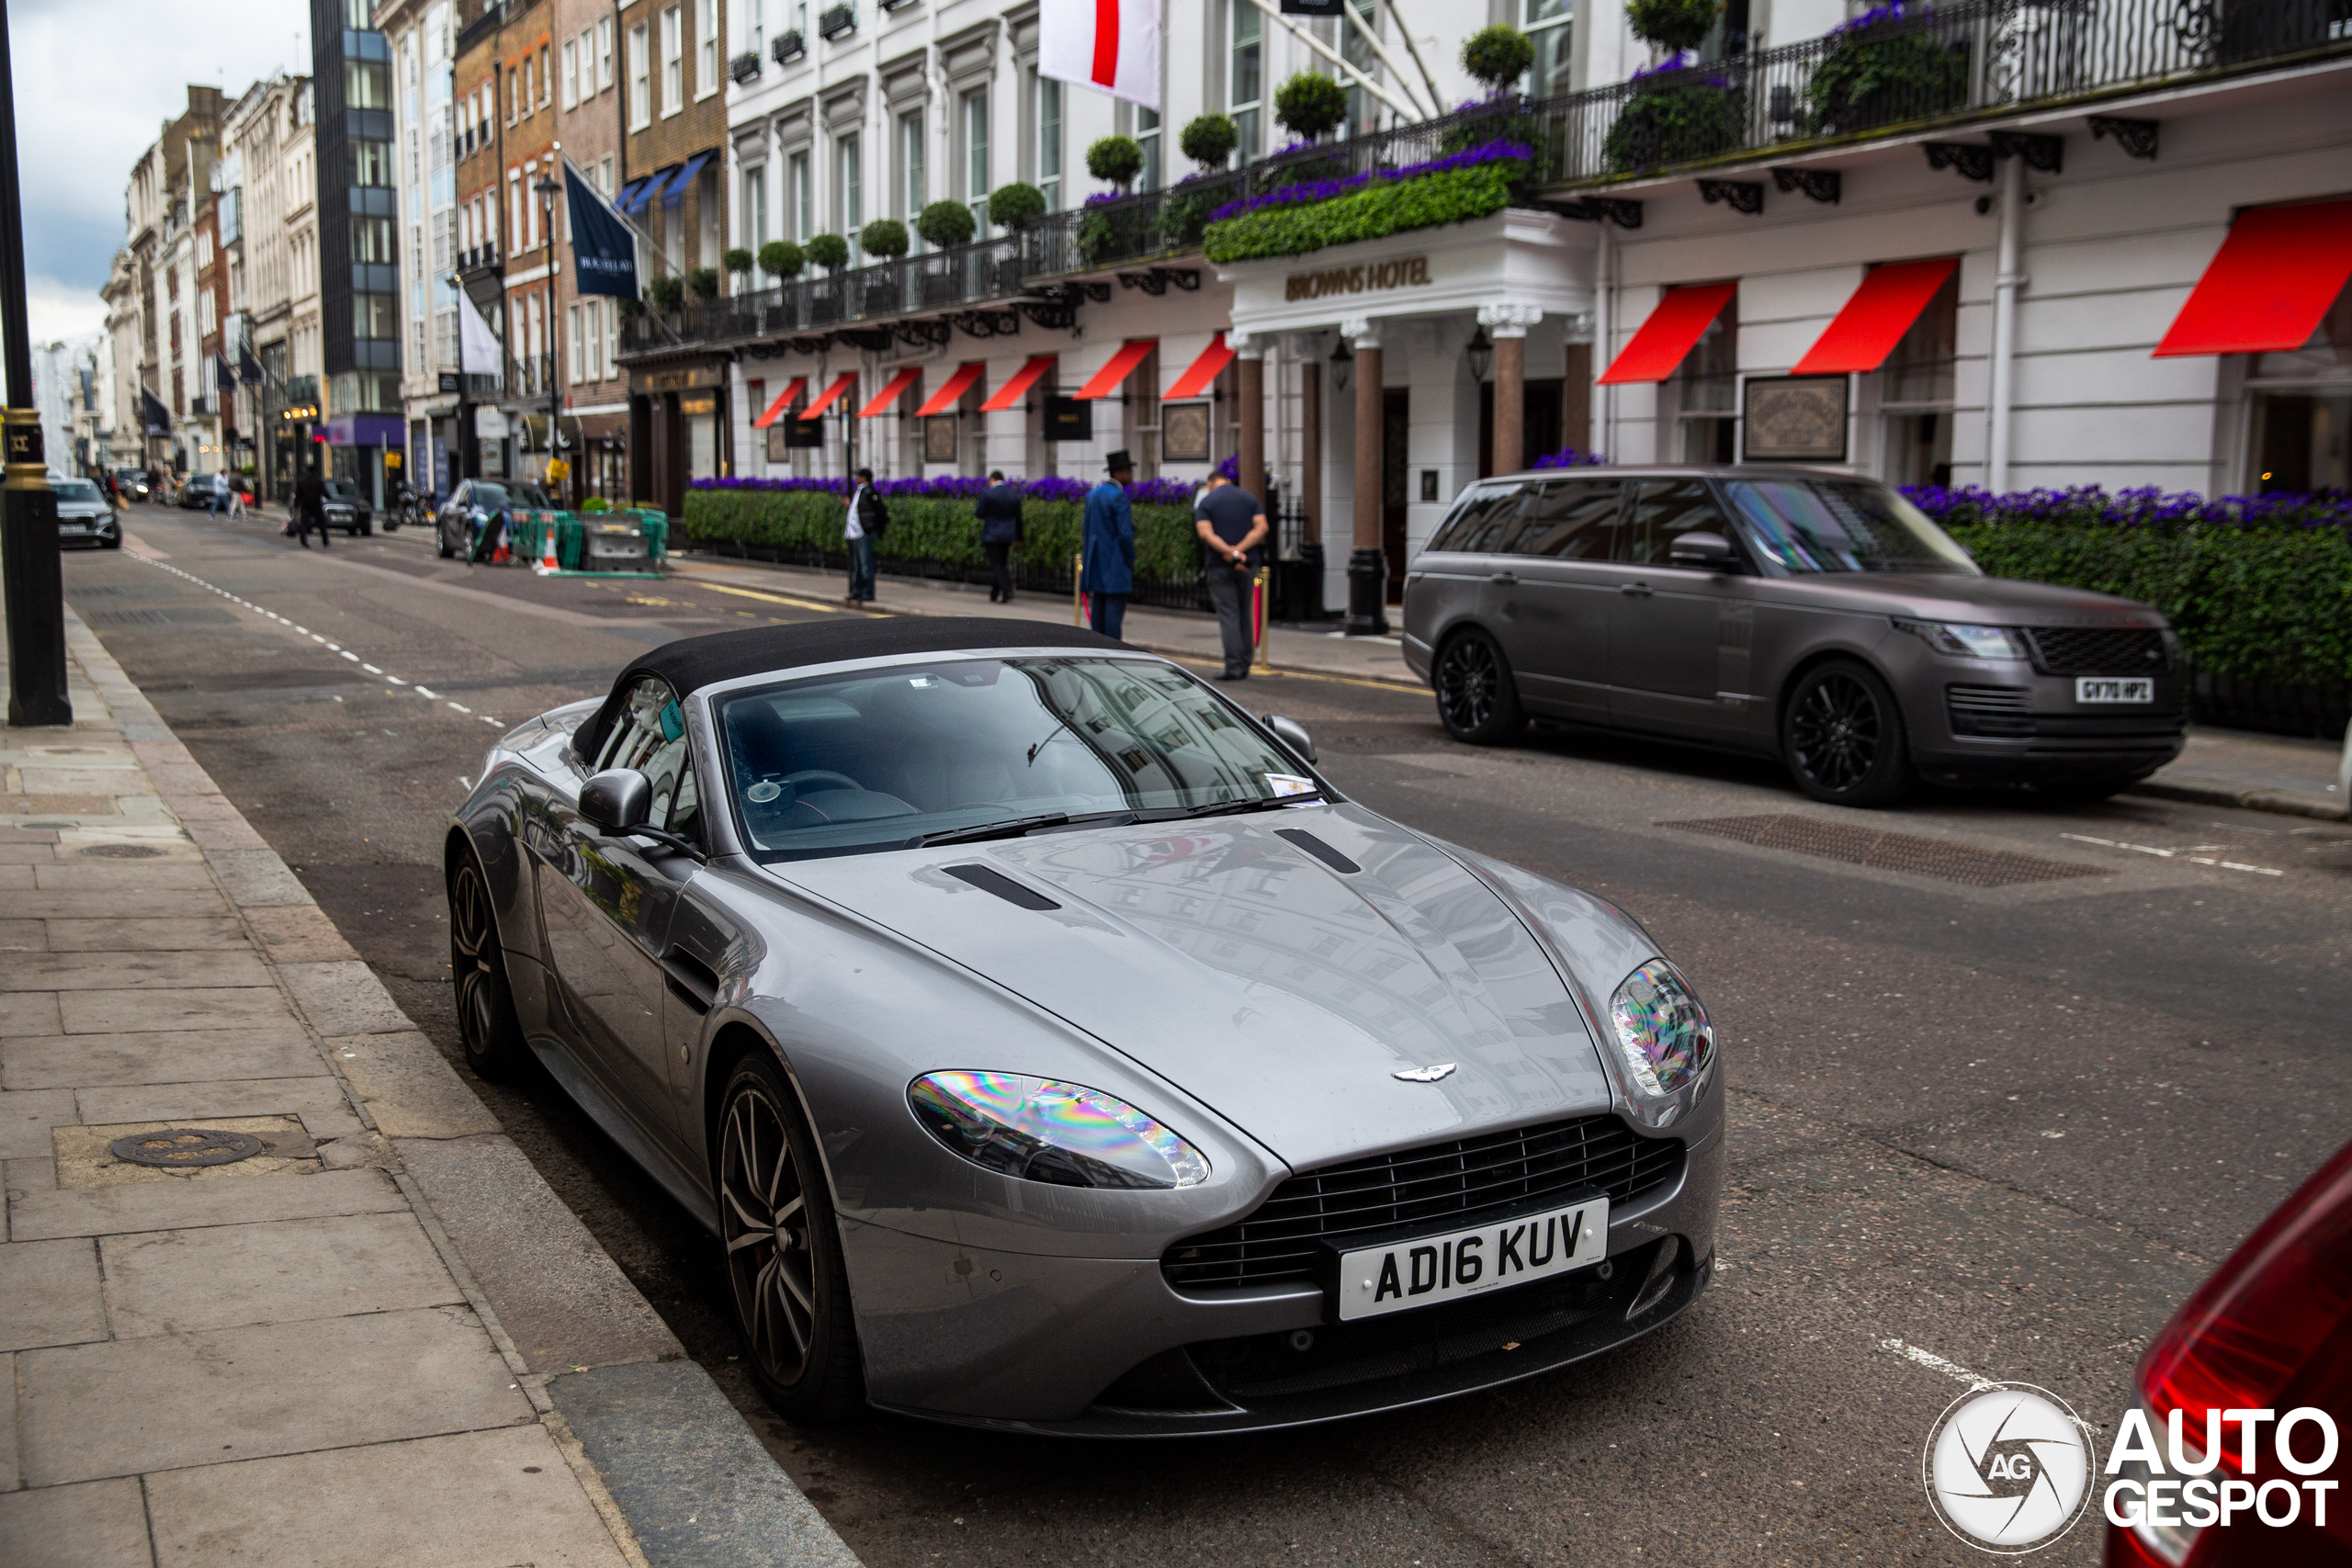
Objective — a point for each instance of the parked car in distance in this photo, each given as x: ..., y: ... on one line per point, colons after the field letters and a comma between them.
x: 347, y: 509
x: 454, y: 523
x: 133, y: 484
x: 84, y: 515
x: 1814, y: 617
x: 196, y: 490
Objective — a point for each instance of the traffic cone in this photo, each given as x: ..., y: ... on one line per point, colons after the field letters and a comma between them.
x: 548, y: 567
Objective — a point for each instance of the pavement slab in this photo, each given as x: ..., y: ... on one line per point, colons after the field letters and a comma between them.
x: 39, y: 1211
x: 136, y: 934
x: 99, y: 1524
x: 279, y: 1271
x: 275, y: 1050
x: 408, y: 1086
x: 33, y: 1013
x: 85, y: 1156
x: 117, y: 1013
x: 49, y: 1294
x: 216, y: 1395
x: 133, y: 970
x: 318, y: 1101
x: 344, y: 998
x: 27, y: 1116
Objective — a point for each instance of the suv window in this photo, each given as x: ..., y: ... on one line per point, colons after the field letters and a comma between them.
x: 1478, y: 523
x: 1664, y: 510
x: 1573, y: 520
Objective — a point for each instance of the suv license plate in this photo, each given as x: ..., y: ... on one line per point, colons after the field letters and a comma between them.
x: 2104, y: 689
x: 1428, y: 1270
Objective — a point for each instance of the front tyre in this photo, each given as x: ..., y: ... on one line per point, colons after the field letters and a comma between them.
x: 1477, y: 700
x: 487, y: 1024
x: 784, y: 1250
x: 1842, y: 736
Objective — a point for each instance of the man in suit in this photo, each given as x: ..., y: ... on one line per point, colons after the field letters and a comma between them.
x: 867, y: 518
x: 1107, y: 556
x: 310, y: 507
x: 998, y: 509
x: 1231, y: 524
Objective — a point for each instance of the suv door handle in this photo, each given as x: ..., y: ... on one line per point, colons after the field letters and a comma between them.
x: 1634, y: 590
x: 1505, y: 579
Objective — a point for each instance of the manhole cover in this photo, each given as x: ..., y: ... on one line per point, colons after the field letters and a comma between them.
x: 1963, y: 863
x: 122, y: 851
x: 177, y: 1146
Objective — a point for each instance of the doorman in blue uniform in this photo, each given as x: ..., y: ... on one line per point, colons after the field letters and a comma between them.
x: 1107, y: 567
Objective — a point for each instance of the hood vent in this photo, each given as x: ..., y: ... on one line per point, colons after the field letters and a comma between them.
x: 1306, y: 841
x: 1003, y: 887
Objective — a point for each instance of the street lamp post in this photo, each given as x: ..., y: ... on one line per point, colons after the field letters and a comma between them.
x: 35, y: 591
x: 549, y: 190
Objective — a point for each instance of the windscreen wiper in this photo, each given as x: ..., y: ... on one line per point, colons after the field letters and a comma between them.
x: 1229, y: 808
x: 1011, y: 828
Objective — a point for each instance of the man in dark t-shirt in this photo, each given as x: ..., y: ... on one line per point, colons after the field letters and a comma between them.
x: 1231, y: 524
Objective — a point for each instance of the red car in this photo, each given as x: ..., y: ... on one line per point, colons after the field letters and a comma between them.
x: 2265, y: 1346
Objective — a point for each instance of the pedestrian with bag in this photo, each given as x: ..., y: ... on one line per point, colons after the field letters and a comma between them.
x: 867, y: 518
x: 310, y: 507
x: 1231, y: 524
x: 998, y: 509
x: 1107, y: 548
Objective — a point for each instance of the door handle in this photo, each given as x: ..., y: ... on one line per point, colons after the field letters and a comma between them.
x: 1634, y: 590
x: 1504, y: 579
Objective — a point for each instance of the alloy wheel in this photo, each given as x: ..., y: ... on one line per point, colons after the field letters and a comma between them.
x: 764, y: 1214
x: 473, y: 942
x: 1838, y: 732
x: 1469, y: 679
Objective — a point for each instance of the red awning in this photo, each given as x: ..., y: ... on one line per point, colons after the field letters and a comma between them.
x: 2269, y: 285
x: 1106, y: 381
x: 830, y: 395
x: 1874, y: 320
x: 1660, y: 342
x: 891, y: 390
x: 1009, y: 395
x: 946, y: 398
x: 1201, y: 371
x: 792, y: 390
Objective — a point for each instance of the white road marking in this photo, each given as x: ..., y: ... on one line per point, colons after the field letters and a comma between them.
x: 461, y: 707
x: 1935, y: 1363
x: 371, y: 669
x: 2189, y: 854
x: 426, y: 692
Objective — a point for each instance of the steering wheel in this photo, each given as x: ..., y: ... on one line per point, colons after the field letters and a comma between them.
x: 800, y: 780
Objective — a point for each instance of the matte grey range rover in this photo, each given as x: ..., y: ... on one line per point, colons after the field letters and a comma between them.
x: 1795, y: 613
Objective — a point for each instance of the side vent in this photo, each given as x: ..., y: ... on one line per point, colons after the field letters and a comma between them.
x: 1318, y: 849
x: 1003, y: 887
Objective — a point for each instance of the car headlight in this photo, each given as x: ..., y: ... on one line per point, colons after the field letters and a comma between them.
x: 1967, y: 642
x: 1662, y: 1031
x: 1039, y: 1130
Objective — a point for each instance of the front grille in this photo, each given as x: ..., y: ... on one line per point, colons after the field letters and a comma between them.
x: 1989, y: 710
x: 2098, y: 650
x: 1437, y: 1185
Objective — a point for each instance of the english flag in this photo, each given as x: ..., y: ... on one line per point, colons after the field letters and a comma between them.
x: 1112, y: 45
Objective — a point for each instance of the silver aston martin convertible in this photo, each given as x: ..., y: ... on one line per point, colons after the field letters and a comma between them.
x: 1051, y: 1047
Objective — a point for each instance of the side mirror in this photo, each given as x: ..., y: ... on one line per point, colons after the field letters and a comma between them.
x: 1293, y: 734
x: 618, y: 800
x: 1710, y: 552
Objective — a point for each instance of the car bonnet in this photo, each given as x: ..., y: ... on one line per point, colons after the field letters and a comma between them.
x: 1280, y: 990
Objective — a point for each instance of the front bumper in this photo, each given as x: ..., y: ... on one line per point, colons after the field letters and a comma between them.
x: 93, y: 535
x: 1106, y: 1347
x: 1979, y: 721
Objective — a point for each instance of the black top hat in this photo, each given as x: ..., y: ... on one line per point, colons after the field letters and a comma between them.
x: 1117, y: 460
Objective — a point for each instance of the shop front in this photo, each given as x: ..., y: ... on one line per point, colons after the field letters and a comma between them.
x: 678, y: 428
x: 357, y: 445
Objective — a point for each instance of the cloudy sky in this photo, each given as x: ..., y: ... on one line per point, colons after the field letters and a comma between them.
x: 95, y: 80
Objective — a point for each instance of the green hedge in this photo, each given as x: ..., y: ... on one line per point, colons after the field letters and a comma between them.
x: 942, y: 530
x: 1384, y: 208
x: 2271, y: 604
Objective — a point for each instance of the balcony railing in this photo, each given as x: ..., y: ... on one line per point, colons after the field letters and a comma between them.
x: 1964, y: 62
x: 478, y: 256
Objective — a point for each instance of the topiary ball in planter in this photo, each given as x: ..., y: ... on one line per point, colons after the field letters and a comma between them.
x: 884, y: 239
x: 829, y: 251
x: 1015, y: 206
x: 1312, y: 105
x: 1672, y: 25
x: 1883, y: 69
x: 704, y: 281
x: 946, y: 223
x: 782, y: 258
x: 665, y: 292
x: 1209, y: 140
x: 1498, y: 56
x: 1117, y: 159
x: 1673, y: 121
x: 738, y: 260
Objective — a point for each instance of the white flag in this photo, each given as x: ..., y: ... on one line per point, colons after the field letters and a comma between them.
x: 478, y: 350
x: 1112, y: 45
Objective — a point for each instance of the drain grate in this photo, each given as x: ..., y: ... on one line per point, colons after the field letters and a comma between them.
x: 193, y: 616
x: 175, y: 1148
x: 1905, y: 852
x: 121, y: 851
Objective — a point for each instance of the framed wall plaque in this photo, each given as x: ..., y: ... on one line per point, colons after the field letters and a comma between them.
x: 939, y: 438
x: 1184, y: 432
x: 1794, y: 419
x: 1067, y: 419
x: 779, y: 436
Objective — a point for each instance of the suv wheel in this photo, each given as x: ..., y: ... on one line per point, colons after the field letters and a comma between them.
x: 1477, y: 700
x: 441, y: 542
x: 1842, y: 736
x: 784, y: 1250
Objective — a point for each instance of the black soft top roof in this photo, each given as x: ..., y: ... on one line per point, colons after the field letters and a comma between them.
x: 691, y: 664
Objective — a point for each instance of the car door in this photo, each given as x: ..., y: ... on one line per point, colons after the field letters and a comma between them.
x: 607, y: 904
x: 1555, y: 583
x: 1668, y: 623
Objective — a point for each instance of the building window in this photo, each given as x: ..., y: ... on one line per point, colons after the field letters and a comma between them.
x: 1915, y: 394
x: 371, y: 163
x: 1363, y: 110
x: 673, y: 59
x: 911, y: 160
x: 1551, y: 28
x: 375, y: 315
x: 546, y: 77
x: 759, y: 20
x: 571, y: 74
x: 366, y: 84
x: 2301, y: 438
x: 976, y: 155
x: 803, y: 198
x: 851, y: 202
x: 604, y: 54
x: 755, y: 206
x: 1049, y: 142
x: 1148, y: 137
x: 605, y: 177
x: 577, y: 362
x: 1706, y: 391
x: 371, y: 239
x: 706, y: 48
x: 1245, y: 77
x: 610, y: 353
x: 640, y: 92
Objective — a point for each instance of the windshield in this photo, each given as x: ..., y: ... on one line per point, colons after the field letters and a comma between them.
x: 486, y: 495
x: 77, y: 490
x: 341, y: 489
x: 881, y: 760
x: 1807, y: 525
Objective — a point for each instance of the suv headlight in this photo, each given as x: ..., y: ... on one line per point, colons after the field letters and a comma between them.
x: 1039, y: 1130
x: 1662, y: 1031
x: 1968, y: 642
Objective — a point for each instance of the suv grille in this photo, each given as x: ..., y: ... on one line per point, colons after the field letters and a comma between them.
x: 1437, y: 1184
x: 1989, y: 710
x: 2098, y: 650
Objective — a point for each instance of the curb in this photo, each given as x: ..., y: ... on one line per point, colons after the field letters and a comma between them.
x: 2280, y: 802
x: 532, y: 1263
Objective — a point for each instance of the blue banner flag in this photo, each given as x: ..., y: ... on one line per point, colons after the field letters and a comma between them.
x: 603, y: 249
x: 152, y: 414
